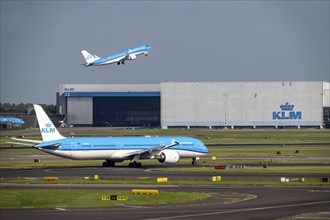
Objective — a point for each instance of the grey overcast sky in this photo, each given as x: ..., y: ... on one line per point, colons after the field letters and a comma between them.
x: 203, y: 41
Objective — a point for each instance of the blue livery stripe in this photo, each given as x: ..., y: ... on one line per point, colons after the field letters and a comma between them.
x: 112, y: 94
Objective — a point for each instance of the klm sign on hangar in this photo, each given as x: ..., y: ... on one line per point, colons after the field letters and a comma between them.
x: 287, y: 113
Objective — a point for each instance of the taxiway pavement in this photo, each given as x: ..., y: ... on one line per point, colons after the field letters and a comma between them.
x: 264, y: 203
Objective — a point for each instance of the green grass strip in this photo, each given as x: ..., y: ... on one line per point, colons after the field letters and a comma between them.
x: 239, y: 181
x: 88, y: 198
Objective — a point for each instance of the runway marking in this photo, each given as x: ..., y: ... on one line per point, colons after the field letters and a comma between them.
x: 249, y: 197
x: 144, y: 177
x: 312, y: 215
x: 318, y: 191
x: 60, y: 209
x: 239, y: 210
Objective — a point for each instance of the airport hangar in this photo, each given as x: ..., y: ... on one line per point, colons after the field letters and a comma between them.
x: 197, y: 104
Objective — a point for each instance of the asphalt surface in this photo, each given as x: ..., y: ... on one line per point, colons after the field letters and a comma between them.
x: 262, y: 203
x: 147, y: 171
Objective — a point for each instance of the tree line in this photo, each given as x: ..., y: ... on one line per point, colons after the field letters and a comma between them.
x: 26, y: 108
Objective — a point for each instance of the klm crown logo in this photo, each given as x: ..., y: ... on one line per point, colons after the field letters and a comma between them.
x: 287, y: 107
x: 287, y: 113
x: 48, y: 128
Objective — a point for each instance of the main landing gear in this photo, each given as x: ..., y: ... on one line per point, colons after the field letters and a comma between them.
x: 108, y: 163
x: 135, y: 164
x: 194, y: 161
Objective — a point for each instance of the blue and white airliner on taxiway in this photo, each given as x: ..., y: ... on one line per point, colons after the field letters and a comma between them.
x: 16, y: 121
x: 167, y: 150
x: 119, y: 58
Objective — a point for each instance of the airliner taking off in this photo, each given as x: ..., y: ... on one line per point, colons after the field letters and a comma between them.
x: 119, y: 58
x: 167, y: 150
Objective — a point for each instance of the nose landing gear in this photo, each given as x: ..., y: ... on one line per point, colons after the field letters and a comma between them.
x: 194, y: 161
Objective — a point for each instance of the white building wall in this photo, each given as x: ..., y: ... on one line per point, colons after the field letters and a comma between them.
x: 241, y: 104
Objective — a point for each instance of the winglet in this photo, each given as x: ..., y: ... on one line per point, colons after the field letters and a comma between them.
x: 47, y: 128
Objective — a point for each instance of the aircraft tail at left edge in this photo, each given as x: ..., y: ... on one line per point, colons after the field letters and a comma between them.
x: 47, y: 129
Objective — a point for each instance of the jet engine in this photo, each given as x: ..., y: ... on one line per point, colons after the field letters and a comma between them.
x: 168, y: 157
x: 132, y: 57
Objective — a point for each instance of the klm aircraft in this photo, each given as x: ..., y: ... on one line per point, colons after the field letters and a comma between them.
x: 119, y: 58
x: 167, y: 150
x: 16, y: 121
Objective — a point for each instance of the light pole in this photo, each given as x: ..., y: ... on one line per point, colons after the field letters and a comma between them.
x: 322, y: 111
x: 225, y: 110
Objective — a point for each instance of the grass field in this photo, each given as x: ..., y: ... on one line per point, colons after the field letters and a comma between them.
x: 271, y: 151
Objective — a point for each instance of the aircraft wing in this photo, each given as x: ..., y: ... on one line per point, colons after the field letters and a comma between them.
x: 124, y: 58
x: 152, y: 151
x: 20, y: 143
x: 33, y: 143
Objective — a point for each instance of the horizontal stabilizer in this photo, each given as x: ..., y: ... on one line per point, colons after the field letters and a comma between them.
x: 26, y: 140
x: 20, y: 143
x: 23, y: 142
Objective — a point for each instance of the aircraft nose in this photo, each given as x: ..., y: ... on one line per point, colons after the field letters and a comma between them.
x: 206, y: 150
x: 203, y: 148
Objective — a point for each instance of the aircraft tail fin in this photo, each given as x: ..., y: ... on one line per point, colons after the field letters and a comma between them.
x: 89, y: 57
x: 47, y: 129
